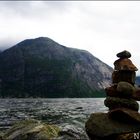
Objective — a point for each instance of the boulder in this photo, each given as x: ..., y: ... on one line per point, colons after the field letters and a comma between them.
x: 111, y: 91
x: 129, y: 136
x: 116, y: 102
x: 124, y: 54
x: 100, y: 126
x: 123, y: 75
x: 125, y: 115
x: 70, y: 132
x: 124, y: 64
x: 125, y: 89
x: 31, y: 130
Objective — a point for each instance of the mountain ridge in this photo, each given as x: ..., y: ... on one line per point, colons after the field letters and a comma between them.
x: 41, y: 67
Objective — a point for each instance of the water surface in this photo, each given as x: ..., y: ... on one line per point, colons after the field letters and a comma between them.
x: 72, y: 112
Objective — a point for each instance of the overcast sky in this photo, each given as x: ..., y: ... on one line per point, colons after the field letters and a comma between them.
x: 103, y: 28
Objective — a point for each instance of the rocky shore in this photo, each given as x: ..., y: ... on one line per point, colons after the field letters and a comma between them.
x: 122, y: 122
x: 37, y: 130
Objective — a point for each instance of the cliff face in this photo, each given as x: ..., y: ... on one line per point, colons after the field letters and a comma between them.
x: 43, y: 68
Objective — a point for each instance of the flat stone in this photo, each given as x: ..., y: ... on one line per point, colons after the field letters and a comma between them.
x: 125, y: 115
x: 124, y: 54
x: 116, y: 102
x: 124, y: 64
x: 99, y: 125
x: 125, y: 89
x: 127, y: 76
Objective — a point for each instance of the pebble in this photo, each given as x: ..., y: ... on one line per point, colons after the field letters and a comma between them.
x: 124, y: 54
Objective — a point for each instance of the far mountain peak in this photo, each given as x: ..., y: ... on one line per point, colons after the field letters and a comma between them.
x: 41, y: 67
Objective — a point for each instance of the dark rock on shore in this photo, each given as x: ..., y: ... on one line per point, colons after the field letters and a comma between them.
x: 125, y: 115
x: 70, y: 132
x: 100, y: 126
x: 129, y: 136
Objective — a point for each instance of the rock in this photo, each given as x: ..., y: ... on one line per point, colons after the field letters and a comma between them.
x: 129, y: 136
x: 31, y: 130
x: 116, y: 102
x: 125, y: 115
x: 125, y: 89
x: 127, y: 76
x: 100, y: 126
x: 123, y: 120
x: 111, y: 91
x: 124, y: 64
x: 70, y: 132
x: 124, y: 54
x: 136, y: 94
x: 79, y: 108
x: 1, y: 138
x: 122, y: 89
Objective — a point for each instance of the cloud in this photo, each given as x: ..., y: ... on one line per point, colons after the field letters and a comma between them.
x: 30, y: 9
x: 102, y: 27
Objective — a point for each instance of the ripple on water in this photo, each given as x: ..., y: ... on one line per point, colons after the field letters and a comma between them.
x: 62, y: 112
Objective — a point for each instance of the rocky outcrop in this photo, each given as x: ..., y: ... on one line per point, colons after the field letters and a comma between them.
x: 43, y: 68
x: 31, y: 130
x: 123, y: 120
x: 37, y: 130
x: 100, y: 126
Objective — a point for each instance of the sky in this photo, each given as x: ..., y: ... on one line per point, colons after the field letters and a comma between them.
x: 103, y: 28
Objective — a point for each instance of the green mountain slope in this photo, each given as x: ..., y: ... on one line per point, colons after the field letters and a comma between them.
x: 43, y: 68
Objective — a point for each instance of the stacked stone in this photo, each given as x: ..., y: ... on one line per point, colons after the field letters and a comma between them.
x: 120, y: 94
x: 123, y: 118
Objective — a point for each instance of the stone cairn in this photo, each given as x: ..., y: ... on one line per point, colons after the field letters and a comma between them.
x: 120, y: 94
x: 123, y: 120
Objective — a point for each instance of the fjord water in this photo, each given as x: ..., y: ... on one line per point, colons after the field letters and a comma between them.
x: 67, y: 113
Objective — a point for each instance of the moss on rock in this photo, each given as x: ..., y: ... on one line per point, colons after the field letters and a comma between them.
x: 31, y: 130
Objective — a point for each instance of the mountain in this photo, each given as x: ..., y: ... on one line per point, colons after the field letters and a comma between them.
x: 43, y: 68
